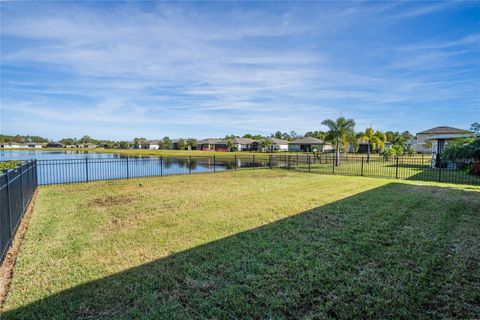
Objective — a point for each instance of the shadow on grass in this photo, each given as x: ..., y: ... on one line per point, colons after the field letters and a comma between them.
x: 397, y: 251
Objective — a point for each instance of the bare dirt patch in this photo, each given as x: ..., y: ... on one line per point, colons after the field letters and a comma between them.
x: 110, y: 201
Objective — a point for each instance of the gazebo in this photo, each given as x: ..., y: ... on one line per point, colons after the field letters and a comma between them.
x: 439, y: 142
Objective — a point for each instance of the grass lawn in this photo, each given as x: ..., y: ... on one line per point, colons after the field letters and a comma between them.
x: 250, y: 244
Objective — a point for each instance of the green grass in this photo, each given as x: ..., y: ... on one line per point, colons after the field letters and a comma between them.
x: 250, y: 244
x: 407, y: 169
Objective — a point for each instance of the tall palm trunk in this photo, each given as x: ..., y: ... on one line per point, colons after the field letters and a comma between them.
x: 337, y: 155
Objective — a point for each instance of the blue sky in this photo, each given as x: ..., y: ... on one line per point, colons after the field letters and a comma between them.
x: 153, y: 69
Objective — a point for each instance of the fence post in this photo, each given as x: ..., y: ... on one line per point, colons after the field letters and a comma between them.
x: 214, y: 168
x: 9, y: 207
x: 253, y: 162
x: 270, y: 161
x: 161, y: 166
x: 21, y: 188
x: 128, y: 172
x: 396, y: 168
x: 440, y: 164
x: 235, y: 161
x: 308, y: 163
x: 86, y: 169
x: 297, y: 160
x: 288, y: 162
x: 361, y: 173
x: 190, y: 164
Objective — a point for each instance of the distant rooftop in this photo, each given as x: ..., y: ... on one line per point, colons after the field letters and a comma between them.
x: 444, y: 130
x: 307, y: 140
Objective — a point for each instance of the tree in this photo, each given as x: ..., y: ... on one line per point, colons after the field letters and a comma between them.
x: 182, y: 144
x: 192, y: 143
x: 373, y: 139
x: 475, y: 127
x: 231, y: 146
x: 316, y: 134
x: 85, y: 139
x: 139, y: 141
x: 123, y: 144
x: 166, y: 143
x: 277, y: 135
x: 265, y: 144
x: 341, y: 132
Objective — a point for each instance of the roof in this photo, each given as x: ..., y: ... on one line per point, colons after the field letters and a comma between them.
x: 451, y: 136
x: 444, y: 130
x: 243, y: 141
x: 278, y: 141
x: 153, y: 142
x: 211, y: 141
x: 307, y: 140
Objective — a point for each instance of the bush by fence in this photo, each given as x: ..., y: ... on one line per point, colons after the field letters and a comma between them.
x: 16, y: 190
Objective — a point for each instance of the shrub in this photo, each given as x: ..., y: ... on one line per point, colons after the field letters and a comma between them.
x: 10, y: 164
x: 463, y: 149
x: 475, y: 168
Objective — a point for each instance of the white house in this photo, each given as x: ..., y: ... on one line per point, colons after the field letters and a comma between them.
x: 243, y: 144
x: 309, y: 144
x: 277, y: 145
x: 11, y: 145
x: 151, y: 144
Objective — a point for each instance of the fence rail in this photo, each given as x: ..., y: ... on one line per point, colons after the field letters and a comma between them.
x: 17, y: 187
x: 94, y: 169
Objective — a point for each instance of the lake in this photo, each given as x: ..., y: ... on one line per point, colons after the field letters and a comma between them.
x: 67, y: 166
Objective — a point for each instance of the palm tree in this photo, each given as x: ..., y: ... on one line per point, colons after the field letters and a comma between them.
x: 373, y: 139
x: 341, y: 132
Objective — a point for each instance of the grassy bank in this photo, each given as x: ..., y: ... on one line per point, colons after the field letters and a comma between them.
x: 260, y: 244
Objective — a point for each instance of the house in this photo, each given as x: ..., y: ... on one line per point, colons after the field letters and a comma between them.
x: 363, y: 146
x: 34, y: 145
x: 212, y: 145
x: 11, y: 145
x: 243, y: 144
x: 86, y: 145
x: 151, y: 144
x: 309, y: 144
x: 55, y: 145
x: 423, y: 138
x: 275, y: 145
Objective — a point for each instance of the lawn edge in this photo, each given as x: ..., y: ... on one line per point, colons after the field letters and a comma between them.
x: 8, y: 265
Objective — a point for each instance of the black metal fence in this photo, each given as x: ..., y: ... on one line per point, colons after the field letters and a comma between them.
x: 17, y: 187
x: 94, y: 169
x: 405, y: 168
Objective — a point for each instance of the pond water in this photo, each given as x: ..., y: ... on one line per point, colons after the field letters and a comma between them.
x: 77, y: 166
x: 51, y: 155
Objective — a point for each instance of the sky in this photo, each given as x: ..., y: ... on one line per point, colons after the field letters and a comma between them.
x: 119, y: 70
